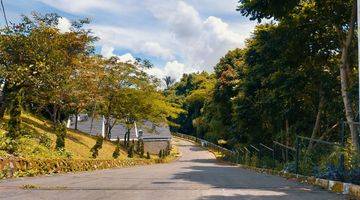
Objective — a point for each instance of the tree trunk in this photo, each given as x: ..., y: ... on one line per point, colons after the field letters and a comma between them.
x: 107, y: 124
x: 91, y: 124
x: 76, y: 120
x: 316, y: 128
x: 3, y: 100
x: 92, y: 118
x: 128, y: 137
x: 344, y: 80
x: 54, y: 115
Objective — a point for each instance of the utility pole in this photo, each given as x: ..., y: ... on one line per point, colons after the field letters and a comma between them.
x: 4, y: 14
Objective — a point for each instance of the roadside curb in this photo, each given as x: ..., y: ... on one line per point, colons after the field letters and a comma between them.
x: 350, y: 189
x: 333, y: 186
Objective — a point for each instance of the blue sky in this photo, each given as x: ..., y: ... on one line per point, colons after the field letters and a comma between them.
x: 177, y: 36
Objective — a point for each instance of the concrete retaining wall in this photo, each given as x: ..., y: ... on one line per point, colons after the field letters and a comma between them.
x: 154, y: 146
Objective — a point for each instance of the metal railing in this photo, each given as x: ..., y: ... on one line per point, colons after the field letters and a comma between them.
x: 298, y: 159
x: 206, y: 144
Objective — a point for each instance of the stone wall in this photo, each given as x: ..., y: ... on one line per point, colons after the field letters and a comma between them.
x: 154, y: 146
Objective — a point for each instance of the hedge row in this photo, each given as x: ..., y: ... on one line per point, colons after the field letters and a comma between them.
x: 31, y: 167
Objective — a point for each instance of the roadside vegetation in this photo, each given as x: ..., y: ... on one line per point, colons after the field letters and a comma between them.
x: 296, y: 75
x: 47, y: 76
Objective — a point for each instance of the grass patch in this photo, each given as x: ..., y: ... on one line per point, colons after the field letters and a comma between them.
x: 39, y: 142
x: 36, y: 153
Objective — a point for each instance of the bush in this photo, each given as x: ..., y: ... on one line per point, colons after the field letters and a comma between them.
x: 148, y: 155
x: 98, y: 145
x: 60, y: 131
x: 140, y: 148
x: 131, y: 151
x: 116, y: 153
x: 254, y: 161
x: 354, y: 176
x: 8, y: 145
x: 160, y: 154
x: 290, y: 167
x: 45, y: 140
x: 331, y: 172
x: 14, y: 124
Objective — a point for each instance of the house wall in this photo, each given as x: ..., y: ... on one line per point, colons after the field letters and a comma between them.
x: 154, y: 147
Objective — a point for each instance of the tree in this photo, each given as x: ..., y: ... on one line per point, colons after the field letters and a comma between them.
x: 332, y: 16
x: 98, y: 145
x: 168, y: 81
x: 129, y: 95
x: 190, y: 93
x: 38, y: 58
x: 116, y: 153
x: 60, y: 130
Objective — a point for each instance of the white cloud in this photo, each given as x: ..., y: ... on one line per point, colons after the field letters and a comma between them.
x: 136, y: 40
x: 127, y: 58
x: 155, y: 49
x: 108, y: 52
x: 82, y: 6
x: 174, y: 69
x: 221, y: 30
x: 196, y: 32
x: 182, y: 19
x: 64, y: 25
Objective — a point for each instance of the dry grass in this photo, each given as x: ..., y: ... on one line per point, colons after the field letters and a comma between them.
x: 78, y: 144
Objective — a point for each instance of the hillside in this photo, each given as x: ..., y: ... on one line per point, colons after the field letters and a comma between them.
x: 38, y: 141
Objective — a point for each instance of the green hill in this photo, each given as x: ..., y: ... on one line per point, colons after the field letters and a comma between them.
x: 38, y: 141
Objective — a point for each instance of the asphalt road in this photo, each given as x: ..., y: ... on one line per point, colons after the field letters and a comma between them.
x: 196, y: 175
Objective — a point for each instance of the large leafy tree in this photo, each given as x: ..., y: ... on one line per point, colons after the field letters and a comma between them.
x: 40, y: 59
x: 191, y: 93
x: 330, y: 22
x: 128, y: 94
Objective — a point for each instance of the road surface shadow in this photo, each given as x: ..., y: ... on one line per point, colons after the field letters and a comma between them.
x: 245, y: 184
x: 200, y: 160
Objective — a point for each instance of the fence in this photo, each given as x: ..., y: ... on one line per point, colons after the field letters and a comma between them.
x: 308, y: 156
x: 209, y: 145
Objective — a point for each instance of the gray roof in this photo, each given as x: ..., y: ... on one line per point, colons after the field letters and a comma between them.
x: 149, y: 129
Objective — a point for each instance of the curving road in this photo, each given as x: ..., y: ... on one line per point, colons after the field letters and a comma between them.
x: 196, y: 175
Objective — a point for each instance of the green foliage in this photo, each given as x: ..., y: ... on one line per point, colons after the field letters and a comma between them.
x: 191, y: 93
x: 116, y: 153
x: 160, y: 154
x: 98, y: 145
x: 260, y: 9
x: 14, y: 124
x: 60, y: 130
x: 51, y: 166
x: 131, y: 151
x: 140, y: 148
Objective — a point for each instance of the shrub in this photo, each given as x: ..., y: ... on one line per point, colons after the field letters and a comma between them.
x: 160, y: 154
x: 290, y: 167
x: 45, y: 140
x: 331, y: 172
x: 14, y: 124
x: 98, y: 145
x: 254, y: 161
x: 8, y: 145
x: 60, y: 131
x: 140, y: 148
x: 131, y: 151
x: 148, y: 155
x: 116, y: 153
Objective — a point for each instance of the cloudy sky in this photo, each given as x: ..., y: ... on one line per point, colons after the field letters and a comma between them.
x: 177, y: 36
